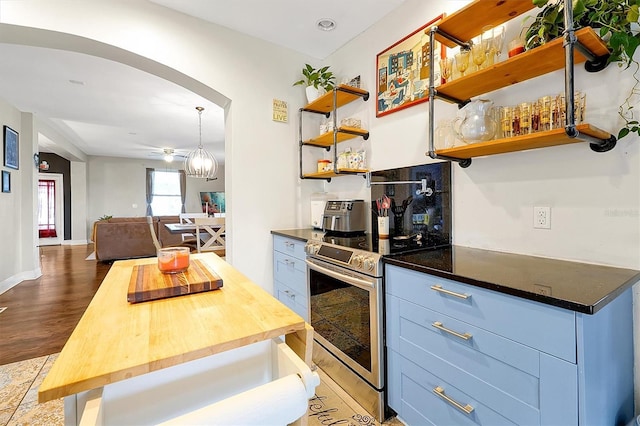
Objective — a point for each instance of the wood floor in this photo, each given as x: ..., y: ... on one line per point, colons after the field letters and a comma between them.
x: 42, y: 313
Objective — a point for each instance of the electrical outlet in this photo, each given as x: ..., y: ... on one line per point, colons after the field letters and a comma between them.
x: 542, y: 217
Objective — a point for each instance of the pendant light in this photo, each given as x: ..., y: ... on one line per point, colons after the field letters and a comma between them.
x: 200, y: 163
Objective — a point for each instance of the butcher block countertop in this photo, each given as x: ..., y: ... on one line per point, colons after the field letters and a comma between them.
x: 116, y: 340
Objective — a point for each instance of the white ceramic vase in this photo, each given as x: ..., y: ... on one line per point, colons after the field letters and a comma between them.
x: 312, y: 93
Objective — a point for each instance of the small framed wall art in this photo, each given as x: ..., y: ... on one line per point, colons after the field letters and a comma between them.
x: 10, y: 148
x: 6, y: 181
x: 403, y: 71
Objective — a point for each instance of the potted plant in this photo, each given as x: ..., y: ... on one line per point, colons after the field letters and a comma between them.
x: 613, y: 20
x: 316, y: 80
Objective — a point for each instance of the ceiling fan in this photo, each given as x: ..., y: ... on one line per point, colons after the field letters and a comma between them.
x: 169, y: 155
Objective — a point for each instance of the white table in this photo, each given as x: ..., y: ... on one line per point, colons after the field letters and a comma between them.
x: 212, y: 230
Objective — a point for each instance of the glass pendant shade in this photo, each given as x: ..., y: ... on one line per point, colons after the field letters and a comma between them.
x: 200, y: 163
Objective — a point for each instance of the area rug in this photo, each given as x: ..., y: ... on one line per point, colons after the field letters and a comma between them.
x: 328, y: 408
x: 92, y: 256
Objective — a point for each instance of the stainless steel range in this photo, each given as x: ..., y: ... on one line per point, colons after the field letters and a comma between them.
x: 346, y: 314
x: 345, y: 278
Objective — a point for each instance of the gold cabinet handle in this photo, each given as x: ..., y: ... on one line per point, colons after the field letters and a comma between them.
x: 439, y: 326
x: 439, y: 288
x: 464, y: 408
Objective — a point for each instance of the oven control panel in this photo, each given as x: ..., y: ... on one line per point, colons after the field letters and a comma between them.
x: 354, y: 259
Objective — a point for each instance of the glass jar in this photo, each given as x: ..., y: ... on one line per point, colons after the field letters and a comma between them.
x: 172, y: 260
x: 444, y: 135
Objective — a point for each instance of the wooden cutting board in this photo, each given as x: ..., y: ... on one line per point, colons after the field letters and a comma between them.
x: 148, y: 283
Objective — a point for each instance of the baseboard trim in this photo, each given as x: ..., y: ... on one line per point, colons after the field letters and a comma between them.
x: 74, y: 242
x: 13, y: 281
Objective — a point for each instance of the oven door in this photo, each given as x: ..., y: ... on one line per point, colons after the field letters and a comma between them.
x: 346, y: 311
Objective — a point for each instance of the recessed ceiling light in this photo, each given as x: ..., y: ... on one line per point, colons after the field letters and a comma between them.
x: 78, y: 82
x: 326, y: 24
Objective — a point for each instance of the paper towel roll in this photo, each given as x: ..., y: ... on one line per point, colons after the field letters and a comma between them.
x: 279, y: 402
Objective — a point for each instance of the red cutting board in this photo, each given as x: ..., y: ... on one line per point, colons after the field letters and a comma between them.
x: 148, y: 283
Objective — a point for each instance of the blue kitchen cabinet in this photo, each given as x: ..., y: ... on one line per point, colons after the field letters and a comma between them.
x: 290, y: 274
x: 460, y: 354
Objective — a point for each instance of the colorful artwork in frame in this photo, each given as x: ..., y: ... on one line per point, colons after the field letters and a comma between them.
x: 403, y: 71
x: 212, y: 202
x: 10, y: 148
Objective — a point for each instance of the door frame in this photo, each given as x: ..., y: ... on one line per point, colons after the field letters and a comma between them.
x: 59, y: 180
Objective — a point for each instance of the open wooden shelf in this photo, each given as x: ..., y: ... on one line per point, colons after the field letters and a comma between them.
x: 328, y: 175
x: 344, y: 95
x: 467, y: 22
x: 533, y: 63
x: 519, y: 143
x: 344, y: 133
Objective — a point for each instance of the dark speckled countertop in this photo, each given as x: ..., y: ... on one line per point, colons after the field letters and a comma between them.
x: 576, y: 286
x: 580, y: 287
x: 298, y: 234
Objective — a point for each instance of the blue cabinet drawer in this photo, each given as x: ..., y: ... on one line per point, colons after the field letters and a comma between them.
x: 496, y: 372
x: 426, y: 398
x: 289, y: 246
x: 543, y: 327
x: 498, y: 368
x: 290, y: 271
x: 294, y: 301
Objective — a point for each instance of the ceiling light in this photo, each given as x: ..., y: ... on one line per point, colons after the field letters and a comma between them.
x: 326, y: 24
x: 168, y: 155
x: 200, y: 163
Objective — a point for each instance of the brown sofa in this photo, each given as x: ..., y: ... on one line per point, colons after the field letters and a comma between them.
x: 130, y: 237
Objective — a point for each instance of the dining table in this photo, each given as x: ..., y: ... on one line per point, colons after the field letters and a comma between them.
x: 119, y: 341
x: 209, y: 232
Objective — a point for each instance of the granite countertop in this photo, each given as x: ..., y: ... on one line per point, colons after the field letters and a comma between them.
x: 576, y: 286
x: 580, y: 287
x: 304, y: 234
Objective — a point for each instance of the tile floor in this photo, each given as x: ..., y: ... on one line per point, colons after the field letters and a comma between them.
x: 19, y: 406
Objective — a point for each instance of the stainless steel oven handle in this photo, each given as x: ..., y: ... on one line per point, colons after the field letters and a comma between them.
x: 346, y: 278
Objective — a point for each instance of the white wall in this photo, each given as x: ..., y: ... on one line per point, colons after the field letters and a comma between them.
x: 18, y: 253
x: 116, y: 184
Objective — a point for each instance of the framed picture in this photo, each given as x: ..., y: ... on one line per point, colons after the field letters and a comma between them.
x: 6, y: 181
x: 10, y: 148
x: 403, y: 71
x: 212, y: 202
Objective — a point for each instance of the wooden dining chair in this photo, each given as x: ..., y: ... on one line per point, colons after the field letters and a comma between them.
x: 210, y: 234
x: 188, y: 218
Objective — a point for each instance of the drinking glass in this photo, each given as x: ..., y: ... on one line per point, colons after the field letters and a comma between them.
x: 579, y: 101
x: 506, y: 121
x: 446, y: 68
x: 515, y: 123
x: 525, y: 118
x: 486, y: 38
x: 479, y: 55
x: 444, y: 135
x: 498, y: 39
x: 545, y: 113
x: 462, y: 61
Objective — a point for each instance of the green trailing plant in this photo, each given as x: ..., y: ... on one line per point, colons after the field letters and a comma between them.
x: 318, y: 78
x: 615, y: 21
x: 105, y: 217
